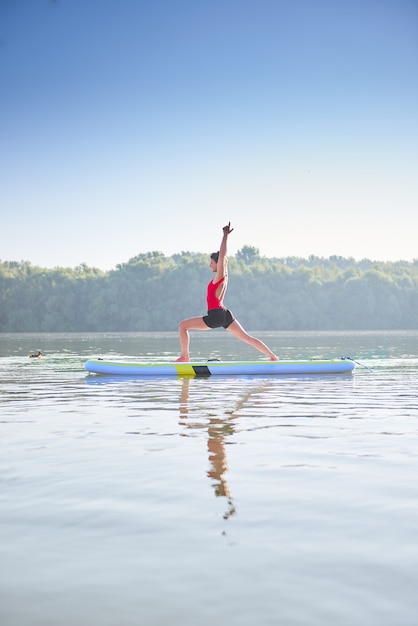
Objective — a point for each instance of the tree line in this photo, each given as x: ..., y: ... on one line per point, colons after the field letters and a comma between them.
x: 153, y: 292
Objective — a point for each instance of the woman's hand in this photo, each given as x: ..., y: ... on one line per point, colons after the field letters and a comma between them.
x: 227, y: 229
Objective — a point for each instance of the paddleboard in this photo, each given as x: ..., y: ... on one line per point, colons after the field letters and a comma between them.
x: 220, y: 368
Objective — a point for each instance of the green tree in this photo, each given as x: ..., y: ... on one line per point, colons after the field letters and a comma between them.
x: 248, y: 254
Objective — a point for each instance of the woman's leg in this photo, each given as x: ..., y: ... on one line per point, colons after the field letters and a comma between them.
x: 192, y: 323
x: 237, y: 330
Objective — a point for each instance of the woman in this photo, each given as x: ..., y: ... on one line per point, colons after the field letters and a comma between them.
x: 218, y: 315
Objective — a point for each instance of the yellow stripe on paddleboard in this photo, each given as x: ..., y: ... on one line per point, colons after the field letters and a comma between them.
x: 184, y: 369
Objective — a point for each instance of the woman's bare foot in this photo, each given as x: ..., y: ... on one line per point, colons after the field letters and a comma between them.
x: 181, y: 359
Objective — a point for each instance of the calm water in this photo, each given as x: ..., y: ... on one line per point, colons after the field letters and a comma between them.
x: 229, y: 501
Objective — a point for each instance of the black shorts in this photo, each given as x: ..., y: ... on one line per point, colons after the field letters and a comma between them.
x: 218, y: 317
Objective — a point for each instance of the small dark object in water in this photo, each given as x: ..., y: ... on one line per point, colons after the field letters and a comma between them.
x: 37, y: 354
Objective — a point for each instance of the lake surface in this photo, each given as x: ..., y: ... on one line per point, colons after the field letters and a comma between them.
x: 235, y: 501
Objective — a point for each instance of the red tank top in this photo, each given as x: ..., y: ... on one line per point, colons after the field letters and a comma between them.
x: 212, y: 300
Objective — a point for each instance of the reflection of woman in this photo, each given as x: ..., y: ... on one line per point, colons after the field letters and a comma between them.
x: 218, y: 430
x: 218, y: 316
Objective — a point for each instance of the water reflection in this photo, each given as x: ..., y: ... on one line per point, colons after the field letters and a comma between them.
x: 218, y: 432
x: 203, y: 405
x: 221, y: 431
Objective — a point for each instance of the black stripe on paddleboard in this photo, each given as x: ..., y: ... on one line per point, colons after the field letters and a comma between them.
x: 201, y: 370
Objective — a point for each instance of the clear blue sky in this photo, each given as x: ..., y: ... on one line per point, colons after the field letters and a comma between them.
x: 128, y: 126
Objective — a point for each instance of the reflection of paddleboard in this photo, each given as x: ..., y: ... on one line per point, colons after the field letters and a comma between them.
x: 220, y: 368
